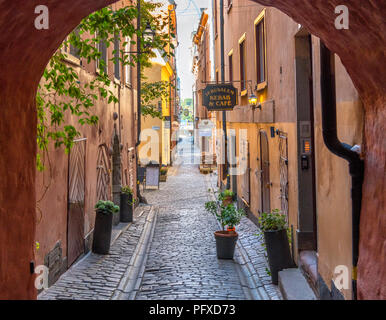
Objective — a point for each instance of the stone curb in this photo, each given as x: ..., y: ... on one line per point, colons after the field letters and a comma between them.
x: 130, y: 282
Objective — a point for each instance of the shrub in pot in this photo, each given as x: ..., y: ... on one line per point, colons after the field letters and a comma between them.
x: 227, y: 216
x: 163, y: 174
x: 103, y: 226
x: 226, y: 197
x: 274, y: 227
x: 127, y: 204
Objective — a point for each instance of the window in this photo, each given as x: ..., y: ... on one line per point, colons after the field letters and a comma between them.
x: 73, y: 50
x: 243, y: 78
x: 127, y: 66
x: 117, y: 62
x: 103, y: 50
x: 260, y: 47
x: 230, y: 61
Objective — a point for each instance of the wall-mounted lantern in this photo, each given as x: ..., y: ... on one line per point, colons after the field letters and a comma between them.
x: 252, y: 99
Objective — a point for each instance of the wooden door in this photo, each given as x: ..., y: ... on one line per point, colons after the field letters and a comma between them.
x: 265, y: 180
x: 103, y: 174
x: 76, y: 194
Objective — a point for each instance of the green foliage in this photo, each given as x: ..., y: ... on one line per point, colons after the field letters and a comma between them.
x: 106, y: 207
x: 127, y: 190
x: 62, y: 95
x: 152, y: 92
x: 273, y: 221
x: 231, y: 216
x: 226, y: 194
x: 226, y: 215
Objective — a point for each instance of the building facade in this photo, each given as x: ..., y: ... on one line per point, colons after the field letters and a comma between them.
x: 204, y: 120
x: 102, y: 160
x: 279, y: 139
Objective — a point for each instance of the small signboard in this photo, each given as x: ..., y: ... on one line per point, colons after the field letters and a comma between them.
x: 152, y: 176
x: 219, y: 97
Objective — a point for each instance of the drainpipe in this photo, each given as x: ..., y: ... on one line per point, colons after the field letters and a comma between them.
x: 330, y: 136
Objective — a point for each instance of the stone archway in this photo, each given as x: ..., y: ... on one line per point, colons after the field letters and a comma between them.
x: 25, y: 51
x: 362, y: 50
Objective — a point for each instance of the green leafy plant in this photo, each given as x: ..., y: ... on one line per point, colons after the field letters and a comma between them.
x: 232, y: 216
x: 226, y: 215
x: 127, y: 190
x: 273, y: 221
x: 61, y: 94
x: 164, y: 171
x: 106, y: 207
x: 226, y: 194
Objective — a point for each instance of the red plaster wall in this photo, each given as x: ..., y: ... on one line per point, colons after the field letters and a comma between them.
x: 362, y: 50
x: 24, y: 53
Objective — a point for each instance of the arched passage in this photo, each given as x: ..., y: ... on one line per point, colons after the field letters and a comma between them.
x: 25, y: 51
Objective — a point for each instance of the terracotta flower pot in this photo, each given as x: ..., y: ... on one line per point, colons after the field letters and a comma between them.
x: 225, y: 244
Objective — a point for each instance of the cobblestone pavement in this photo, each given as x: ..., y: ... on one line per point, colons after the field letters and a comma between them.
x: 182, y: 262
x: 97, y: 277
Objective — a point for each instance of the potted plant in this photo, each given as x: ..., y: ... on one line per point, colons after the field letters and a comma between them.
x: 226, y: 197
x: 163, y: 174
x: 127, y: 204
x: 227, y: 216
x: 103, y: 226
x: 274, y: 227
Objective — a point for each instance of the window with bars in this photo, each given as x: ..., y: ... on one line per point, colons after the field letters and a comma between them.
x: 243, y: 78
x: 260, y: 51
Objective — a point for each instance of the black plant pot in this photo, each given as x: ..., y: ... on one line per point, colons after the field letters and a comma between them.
x: 126, y: 209
x: 225, y: 244
x: 279, y: 255
x: 102, y: 233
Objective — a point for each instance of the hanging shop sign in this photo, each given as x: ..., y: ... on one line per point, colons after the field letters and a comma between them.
x: 219, y: 97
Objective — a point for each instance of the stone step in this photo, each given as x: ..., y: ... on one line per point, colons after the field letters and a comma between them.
x: 294, y: 286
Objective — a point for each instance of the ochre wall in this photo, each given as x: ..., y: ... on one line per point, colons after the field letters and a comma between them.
x: 333, y: 199
x: 362, y: 51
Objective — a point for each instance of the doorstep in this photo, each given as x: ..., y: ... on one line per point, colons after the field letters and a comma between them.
x: 294, y: 286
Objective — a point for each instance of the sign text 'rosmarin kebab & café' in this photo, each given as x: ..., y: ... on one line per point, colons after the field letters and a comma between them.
x: 219, y: 97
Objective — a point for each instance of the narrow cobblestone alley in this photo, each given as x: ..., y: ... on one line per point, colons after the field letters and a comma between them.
x: 182, y: 262
x: 169, y: 251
